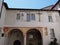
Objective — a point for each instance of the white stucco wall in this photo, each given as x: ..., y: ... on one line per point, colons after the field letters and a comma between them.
x: 2, y: 19
x: 11, y: 20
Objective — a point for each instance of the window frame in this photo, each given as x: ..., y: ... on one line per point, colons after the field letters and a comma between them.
x: 32, y: 16
x: 52, y: 34
x: 50, y: 19
x: 28, y: 17
x: 18, y: 16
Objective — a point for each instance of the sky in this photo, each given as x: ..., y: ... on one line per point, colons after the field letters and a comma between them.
x: 31, y: 4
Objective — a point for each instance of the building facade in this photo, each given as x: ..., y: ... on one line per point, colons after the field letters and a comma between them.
x: 28, y: 26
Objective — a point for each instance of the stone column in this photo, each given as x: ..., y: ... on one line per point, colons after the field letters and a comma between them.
x: 24, y: 39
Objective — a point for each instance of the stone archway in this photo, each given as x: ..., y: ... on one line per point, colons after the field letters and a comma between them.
x: 34, y: 37
x: 15, y: 37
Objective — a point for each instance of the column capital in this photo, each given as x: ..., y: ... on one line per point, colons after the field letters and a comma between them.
x: 24, y: 34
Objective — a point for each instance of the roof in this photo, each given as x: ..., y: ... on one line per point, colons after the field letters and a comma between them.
x: 48, y: 7
x: 5, y: 4
x: 51, y: 6
x: 55, y: 4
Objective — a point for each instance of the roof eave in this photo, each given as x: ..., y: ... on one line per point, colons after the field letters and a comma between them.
x: 55, y: 4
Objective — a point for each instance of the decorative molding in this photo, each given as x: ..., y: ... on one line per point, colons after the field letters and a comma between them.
x: 46, y: 31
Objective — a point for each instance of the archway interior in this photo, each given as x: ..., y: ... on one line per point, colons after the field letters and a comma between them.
x: 17, y: 42
x: 34, y: 37
x: 14, y: 35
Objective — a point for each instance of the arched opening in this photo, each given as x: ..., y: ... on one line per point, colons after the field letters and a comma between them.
x: 15, y: 37
x: 34, y: 37
x: 17, y: 42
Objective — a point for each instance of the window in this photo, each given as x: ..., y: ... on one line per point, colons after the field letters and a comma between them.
x: 50, y: 19
x: 28, y: 17
x: 22, y: 14
x: 18, y: 16
x: 52, y: 33
x: 32, y: 16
